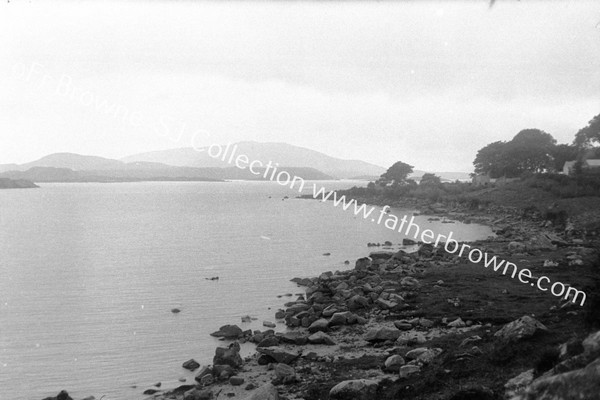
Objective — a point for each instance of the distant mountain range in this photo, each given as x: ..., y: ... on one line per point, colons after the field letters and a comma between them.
x: 281, y: 153
x: 196, y: 165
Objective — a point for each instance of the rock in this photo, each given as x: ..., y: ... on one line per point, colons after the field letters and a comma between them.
x: 268, y: 342
x: 582, y: 383
x: 423, y: 354
x: 381, y: 255
x: 408, y: 242
x: 204, y: 371
x: 228, y: 332
x: 319, y: 325
x: 147, y: 391
x: 280, y: 355
x: 385, y: 304
x: 381, y: 334
x: 409, y: 281
x: 362, y: 264
x: 269, y: 324
x: 357, y: 302
x: 550, y: 263
x: 285, y: 374
x: 393, y: 363
x: 517, y: 384
x: 191, y: 364
x: 175, y: 310
x: 320, y: 338
x: 195, y: 394
x: 426, y: 323
x: 407, y: 370
x: 358, y: 389
x: 297, y: 338
x: 265, y: 392
x: 457, y: 323
x: 62, y: 395
x: 403, y: 326
x: 228, y: 355
x: 591, y: 344
x: 223, y: 372
x: 471, y: 339
x: 236, y: 381
x: 521, y: 328
x: 339, y: 318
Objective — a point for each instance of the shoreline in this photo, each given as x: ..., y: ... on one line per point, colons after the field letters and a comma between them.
x: 412, y: 316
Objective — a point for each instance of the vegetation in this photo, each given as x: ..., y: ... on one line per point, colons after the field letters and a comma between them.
x: 396, y: 174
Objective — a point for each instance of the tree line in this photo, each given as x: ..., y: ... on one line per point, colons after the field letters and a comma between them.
x: 535, y: 151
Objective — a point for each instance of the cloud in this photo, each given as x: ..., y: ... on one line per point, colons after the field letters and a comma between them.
x: 425, y: 82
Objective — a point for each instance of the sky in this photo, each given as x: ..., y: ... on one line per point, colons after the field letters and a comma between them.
x: 424, y: 82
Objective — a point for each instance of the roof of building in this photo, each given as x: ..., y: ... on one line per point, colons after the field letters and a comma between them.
x: 593, y: 163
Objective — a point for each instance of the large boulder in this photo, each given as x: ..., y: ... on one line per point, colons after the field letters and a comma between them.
x: 265, y: 392
x: 358, y: 389
x: 228, y: 332
x: 228, y: 355
x: 518, y: 384
x: 582, y: 383
x: 521, y: 328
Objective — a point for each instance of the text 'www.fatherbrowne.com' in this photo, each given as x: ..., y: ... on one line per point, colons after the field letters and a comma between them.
x: 270, y: 171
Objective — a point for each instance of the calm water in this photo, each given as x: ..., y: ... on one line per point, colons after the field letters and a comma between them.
x: 90, y: 272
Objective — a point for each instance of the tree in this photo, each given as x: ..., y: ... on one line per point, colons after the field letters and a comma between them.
x: 562, y: 153
x: 492, y: 160
x: 397, y: 173
x: 429, y: 179
x: 589, y: 135
x: 530, y: 150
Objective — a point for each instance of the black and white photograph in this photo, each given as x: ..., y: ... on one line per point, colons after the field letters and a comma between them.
x: 300, y: 200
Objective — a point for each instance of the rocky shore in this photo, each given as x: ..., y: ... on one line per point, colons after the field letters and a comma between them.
x: 425, y: 325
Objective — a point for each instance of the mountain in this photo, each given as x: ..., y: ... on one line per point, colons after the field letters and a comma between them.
x: 282, y: 153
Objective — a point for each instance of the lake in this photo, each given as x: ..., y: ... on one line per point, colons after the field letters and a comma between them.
x: 89, y: 274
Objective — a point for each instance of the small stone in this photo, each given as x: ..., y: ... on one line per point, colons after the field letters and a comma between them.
x: 320, y: 338
x: 236, y: 381
x: 407, y: 370
x: 457, y: 323
x: 269, y: 324
x: 191, y: 365
x: 393, y: 363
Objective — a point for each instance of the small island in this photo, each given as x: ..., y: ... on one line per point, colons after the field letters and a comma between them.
x: 6, y: 183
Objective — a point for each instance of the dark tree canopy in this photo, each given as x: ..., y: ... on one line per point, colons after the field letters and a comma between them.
x: 589, y: 135
x: 561, y: 154
x: 397, y: 173
x: 530, y: 150
x: 492, y: 160
x: 429, y: 179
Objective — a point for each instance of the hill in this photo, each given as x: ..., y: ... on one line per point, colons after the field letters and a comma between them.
x: 282, y: 153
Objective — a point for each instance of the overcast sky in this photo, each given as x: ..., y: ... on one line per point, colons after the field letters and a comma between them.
x: 428, y: 83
